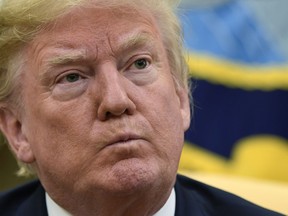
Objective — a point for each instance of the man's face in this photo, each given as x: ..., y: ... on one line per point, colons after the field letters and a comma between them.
x: 101, y: 110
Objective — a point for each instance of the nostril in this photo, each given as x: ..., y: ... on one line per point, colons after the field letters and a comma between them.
x: 115, y: 102
x: 116, y: 113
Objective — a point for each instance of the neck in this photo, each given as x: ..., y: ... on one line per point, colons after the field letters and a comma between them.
x: 104, y: 204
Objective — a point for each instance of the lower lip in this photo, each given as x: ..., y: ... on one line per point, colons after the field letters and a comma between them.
x: 124, y: 149
x: 131, y: 142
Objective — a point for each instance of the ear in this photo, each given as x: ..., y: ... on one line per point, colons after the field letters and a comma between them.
x: 11, y: 127
x: 184, y: 106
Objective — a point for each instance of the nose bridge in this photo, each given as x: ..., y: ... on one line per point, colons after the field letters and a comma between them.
x: 111, y: 84
x: 114, y: 97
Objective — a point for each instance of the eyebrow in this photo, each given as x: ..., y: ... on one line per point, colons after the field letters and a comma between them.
x: 136, y: 41
x: 132, y: 42
x: 69, y: 56
x: 72, y: 56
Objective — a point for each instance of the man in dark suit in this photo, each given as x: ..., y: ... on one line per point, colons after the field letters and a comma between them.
x: 192, y: 198
x: 94, y: 101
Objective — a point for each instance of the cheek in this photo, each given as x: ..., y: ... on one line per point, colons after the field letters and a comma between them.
x: 60, y: 149
x: 53, y: 129
x: 166, y: 120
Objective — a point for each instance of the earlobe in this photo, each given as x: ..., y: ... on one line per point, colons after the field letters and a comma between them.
x: 184, y: 107
x: 11, y: 127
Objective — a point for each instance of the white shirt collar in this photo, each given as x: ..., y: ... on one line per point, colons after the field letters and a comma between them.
x: 167, y: 210
x: 54, y: 209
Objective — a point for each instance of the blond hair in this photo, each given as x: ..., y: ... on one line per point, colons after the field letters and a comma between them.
x: 21, y: 20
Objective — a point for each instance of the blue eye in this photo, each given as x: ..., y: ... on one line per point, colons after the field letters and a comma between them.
x: 141, y: 63
x: 74, y: 77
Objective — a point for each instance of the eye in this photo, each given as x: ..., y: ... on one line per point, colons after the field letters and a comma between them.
x: 141, y: 63
x: 69, y: 78
x: 74, y: 77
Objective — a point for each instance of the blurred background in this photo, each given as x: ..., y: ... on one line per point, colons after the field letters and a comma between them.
x: 237, y: 52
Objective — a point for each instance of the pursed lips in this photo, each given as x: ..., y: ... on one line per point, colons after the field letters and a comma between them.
x: 124, y: 138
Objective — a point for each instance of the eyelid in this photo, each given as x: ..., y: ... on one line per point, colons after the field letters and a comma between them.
x: 135, y: 58
x: 61, y: 76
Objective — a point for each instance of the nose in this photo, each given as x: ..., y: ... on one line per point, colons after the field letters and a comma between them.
x: 115, y: 100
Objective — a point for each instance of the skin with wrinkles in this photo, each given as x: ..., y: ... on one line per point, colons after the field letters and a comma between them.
x: 103, y: 120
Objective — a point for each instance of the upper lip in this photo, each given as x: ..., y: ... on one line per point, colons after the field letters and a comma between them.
x: 124, y: 138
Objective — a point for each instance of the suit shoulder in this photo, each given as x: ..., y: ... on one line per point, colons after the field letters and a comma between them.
x: 13, y: 199
x: 215, y: 201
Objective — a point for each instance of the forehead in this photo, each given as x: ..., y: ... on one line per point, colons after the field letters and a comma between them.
x: 94, y: 30
x: 100, y: 24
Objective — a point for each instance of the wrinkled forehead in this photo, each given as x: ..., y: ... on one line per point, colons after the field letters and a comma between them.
x: 99, y: 26
x: 103, y: 15
x: 101, y: 22
x: 88, y: 32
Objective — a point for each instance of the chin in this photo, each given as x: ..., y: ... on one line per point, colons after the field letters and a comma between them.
x: 133, y: 175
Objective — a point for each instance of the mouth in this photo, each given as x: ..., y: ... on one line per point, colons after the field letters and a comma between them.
x: 125, y: 146
x: 124, y: 139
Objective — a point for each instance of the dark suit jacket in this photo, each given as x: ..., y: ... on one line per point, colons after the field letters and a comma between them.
x: 192, y: 199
